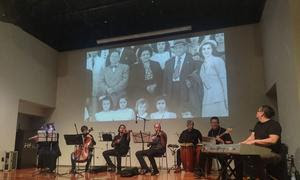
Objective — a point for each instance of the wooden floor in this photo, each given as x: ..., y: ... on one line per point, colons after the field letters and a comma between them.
x: 32, y: 174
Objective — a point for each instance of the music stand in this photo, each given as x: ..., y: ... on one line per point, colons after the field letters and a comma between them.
x: 74, y: 139
x: 106, y: 137
x: 141, y: 137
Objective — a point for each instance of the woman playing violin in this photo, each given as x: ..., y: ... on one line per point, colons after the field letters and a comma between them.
x: 120, y: 144
x: 83, y: 153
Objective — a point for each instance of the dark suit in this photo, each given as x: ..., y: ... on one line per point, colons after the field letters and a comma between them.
x: 195, y: 94
x: 177, y: 92
x: 138, y: 84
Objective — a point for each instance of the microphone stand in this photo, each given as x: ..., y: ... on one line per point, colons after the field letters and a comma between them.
x: 144, y: 119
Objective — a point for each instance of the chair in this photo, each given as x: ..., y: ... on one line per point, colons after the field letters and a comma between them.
x: 91, y: 164
x: 161, y: 160
x: 128, y: 155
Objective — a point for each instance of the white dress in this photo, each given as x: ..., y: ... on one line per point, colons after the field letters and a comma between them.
x: 124, y: 114
x: 213, y: 75
x: 164, y: 115
x: 104, y: 116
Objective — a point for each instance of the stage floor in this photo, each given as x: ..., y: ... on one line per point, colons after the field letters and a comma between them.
x: 32, y: 174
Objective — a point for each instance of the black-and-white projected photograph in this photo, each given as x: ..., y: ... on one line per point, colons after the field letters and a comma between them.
x: 180, y: 78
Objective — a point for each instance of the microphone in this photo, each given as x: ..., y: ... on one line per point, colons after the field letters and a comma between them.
x: 136, y: 116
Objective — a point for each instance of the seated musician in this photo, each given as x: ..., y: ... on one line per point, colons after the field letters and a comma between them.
x: 267, y: 133
x: 76, y: 156
x: 121, y: 147
x: 48, y: 151
x: 157, y: 149
x: 190, y: 135
x: 222, y: 137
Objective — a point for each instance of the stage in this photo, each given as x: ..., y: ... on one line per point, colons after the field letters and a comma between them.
x: 29, y: 174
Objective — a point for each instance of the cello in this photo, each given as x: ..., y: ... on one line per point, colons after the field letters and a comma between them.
x: 82, y: 151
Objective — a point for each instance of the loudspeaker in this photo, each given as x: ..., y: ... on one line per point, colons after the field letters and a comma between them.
x: 97, y: 169
x: 129, y: 172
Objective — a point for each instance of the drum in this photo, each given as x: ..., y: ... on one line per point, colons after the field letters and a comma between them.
x: 187, y: 154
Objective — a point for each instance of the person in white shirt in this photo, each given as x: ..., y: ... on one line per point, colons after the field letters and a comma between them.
x: 106, y: 114
x: 161, y: 53
x: 176, y: 71
x: 162, y: 110
x: 213, y: 76
x: 141, y: 108
x: 124, y: 112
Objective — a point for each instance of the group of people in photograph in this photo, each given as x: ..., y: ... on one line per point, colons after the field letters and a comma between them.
x: 164, y: 80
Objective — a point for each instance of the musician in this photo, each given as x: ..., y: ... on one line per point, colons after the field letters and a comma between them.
x: 190, y: 135
x: 120, y: 144
x: 157, y: 149
x: 222, y: 137
x: 47, y: 151
x: 87, y: 138
x: 267, y: 133
x: 216, y: 130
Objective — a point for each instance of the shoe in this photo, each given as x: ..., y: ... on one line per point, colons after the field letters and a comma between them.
x: 118, y: 172
x: 144, y: 171
x: 177, y: 170
x: 153, y: 173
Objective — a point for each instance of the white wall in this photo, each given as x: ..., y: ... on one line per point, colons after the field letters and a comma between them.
x: 28, y: 72
x: 280, y: 27
x: 245, y: 83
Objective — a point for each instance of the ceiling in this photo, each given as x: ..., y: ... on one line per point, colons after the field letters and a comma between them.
x: 76, y: 24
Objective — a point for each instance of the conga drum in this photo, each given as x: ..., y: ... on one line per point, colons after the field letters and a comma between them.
x: 187, y: 154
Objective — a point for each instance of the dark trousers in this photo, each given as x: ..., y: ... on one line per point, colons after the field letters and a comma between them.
x: 88, y: 161
x: 150, y: 153
x: 255, y: 166
x: 47, y: 159
x: 117, y: 154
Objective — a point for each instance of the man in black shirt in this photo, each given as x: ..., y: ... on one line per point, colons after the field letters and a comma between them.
x: 221, y: 134
x: 190, y: 135
x: 222, y: 137
x: 121, y: 147
x: 267, y: 133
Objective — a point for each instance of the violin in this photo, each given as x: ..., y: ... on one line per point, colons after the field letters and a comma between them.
x: 81, y: 152
x: 126, y: 133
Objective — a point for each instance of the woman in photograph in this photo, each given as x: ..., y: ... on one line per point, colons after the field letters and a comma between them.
x: 219, y: 38
x: 162, y: 110
x: 161, y: 53
x: 141, y: 108
x: 213, y: 76
x: 124, y: 112
x: 106, y: 114
x: 145, y: 77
